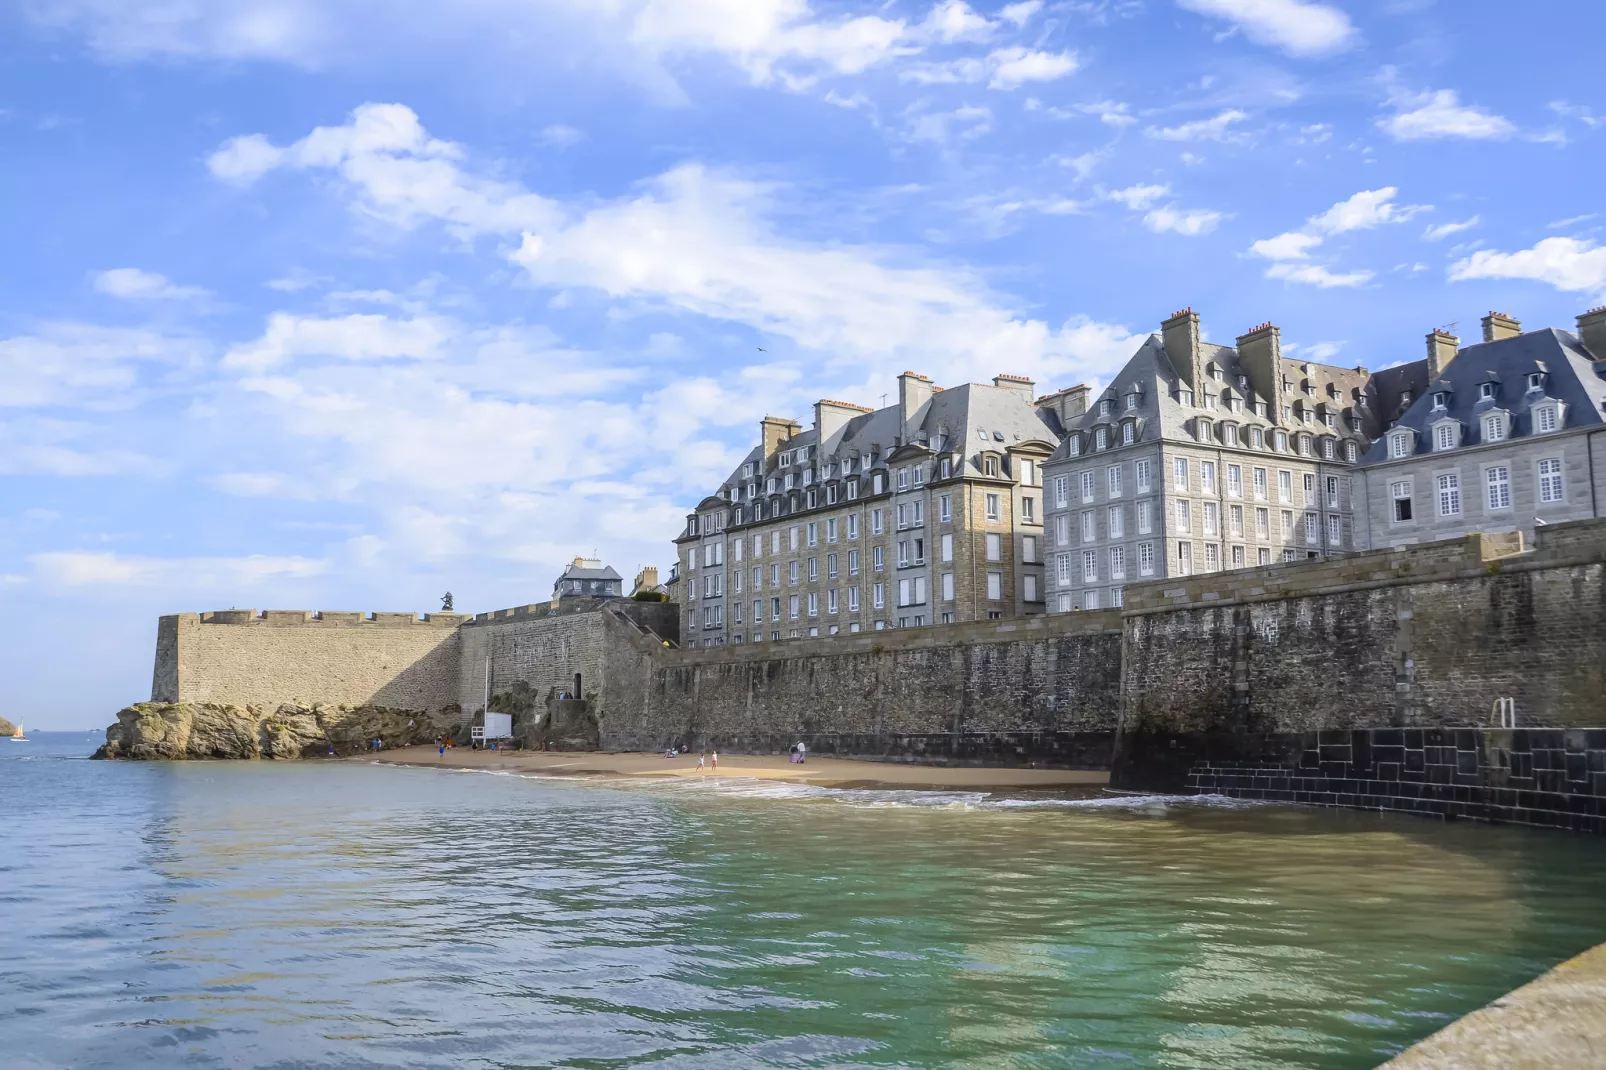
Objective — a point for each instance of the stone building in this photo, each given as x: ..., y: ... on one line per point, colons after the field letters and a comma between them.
x: 1199, y: 457
x: 1510, y: 434
x: 586, y: 577
x: 923, y: 512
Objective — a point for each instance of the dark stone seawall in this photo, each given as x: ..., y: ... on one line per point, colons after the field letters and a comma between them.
x: 1041, y: 691
x: 1550, y: 777
x: 1378, y: 681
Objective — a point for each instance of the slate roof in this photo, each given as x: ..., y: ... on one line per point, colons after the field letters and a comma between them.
x: 575, y: 572
x: 1151, y: 374
x: 1007, y: 416
x: 1570, y: 377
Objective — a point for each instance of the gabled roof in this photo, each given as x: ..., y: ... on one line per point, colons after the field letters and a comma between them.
x: 575, y: 572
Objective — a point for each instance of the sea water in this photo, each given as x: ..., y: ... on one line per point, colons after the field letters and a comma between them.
x: 347, y: 914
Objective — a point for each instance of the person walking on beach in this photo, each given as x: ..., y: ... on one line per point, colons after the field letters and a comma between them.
x: 443, y: 750
x: 700, y: 763
x: 716, y: 760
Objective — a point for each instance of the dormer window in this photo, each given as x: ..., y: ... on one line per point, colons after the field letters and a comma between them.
x: 1256, y: 438
x: 1073, y: 445
x: 1243, y: 383
x: 1494, y: 427
x: 1440, y: 400
x: 1330, y: 418
x: 1229, y: 434
x: 1444, y: 436
x: 1282, y: 441
x: 1184, y: 396
x: 1128, y: 433
x: 1131, y: 402
x: 1106, y: 405
x: 1547, y: 417
x: 1214, y: 371
x: 1210, y: 401
x: 1485, y: 391
x: 1536, y: 380
x: 989, y: 465
x: 1101, y: 438
x: 1350, y: 452
x: 1202, y: 430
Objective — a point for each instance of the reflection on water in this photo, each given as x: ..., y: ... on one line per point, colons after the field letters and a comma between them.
x: 262, y: 915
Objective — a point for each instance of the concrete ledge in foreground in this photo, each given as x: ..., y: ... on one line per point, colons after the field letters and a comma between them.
x: 1557, y: 1022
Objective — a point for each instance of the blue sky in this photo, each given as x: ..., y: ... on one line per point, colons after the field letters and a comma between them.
x: 333, y: 304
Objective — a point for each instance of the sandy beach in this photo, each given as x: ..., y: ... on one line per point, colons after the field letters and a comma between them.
x: 819, y: 772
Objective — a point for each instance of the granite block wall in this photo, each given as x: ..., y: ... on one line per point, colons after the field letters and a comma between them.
x: 250, y: 658
x: 1041, y: 690
x: 1551, y: 777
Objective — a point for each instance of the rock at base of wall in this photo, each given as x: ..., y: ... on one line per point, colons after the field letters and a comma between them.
x: 165, y: 731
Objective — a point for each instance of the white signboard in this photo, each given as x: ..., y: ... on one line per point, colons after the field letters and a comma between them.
x: 498, y: 725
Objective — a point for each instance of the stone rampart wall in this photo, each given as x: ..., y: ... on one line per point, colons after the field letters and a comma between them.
x: 1040, y: 689
x: 250, y: 658
x: 1428, y: 635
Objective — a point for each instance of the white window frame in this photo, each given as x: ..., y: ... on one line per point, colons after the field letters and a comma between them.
x: 1497, y: 488
x: 1447, y: 493
x: 1543, y: 481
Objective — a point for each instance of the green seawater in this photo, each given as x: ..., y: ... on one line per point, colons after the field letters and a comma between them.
x: 354, y: 915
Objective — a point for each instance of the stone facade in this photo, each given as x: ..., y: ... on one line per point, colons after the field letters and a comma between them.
x: 1510, y: 435
x: 920, y: 513
x: 1199, y: 458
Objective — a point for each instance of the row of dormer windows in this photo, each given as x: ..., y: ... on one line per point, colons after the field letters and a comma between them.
x: 1494, y: 426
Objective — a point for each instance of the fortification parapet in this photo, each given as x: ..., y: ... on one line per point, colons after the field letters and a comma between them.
x: 1467, y: 555
x: 324, y: 618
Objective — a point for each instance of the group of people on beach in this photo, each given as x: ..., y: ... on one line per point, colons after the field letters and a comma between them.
x: 797, y: 756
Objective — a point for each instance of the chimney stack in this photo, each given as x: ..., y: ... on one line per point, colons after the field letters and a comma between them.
x: 1181, y: 336
x: 1592, y: 329
x: 1442, y: 348
x: 1260, y: 353
x: 1018, y: 383
x: 1067, y: 404
x: 914, y: 390
x: 1498, y: 325
x: 830, y: 417
x: 773, y: 430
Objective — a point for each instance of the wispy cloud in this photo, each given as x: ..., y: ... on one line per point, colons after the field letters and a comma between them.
x: 1218, y: 127
x: 1444, y: 230
x: 1297, y: 27
x: 1439, y: 114
x: 133, y: 284
x: 1290, y: 251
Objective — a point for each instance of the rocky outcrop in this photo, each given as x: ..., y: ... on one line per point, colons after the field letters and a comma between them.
x: 6, y: 727
x: 163, y: 731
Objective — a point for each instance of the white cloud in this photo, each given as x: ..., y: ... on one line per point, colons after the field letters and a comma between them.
x: 1364, y: 210
x: 1565, y: 263
x: 361, y: 337
x: 1440, y: 114
x: 1444, y: 230
x: 1572, y: 221
x: 1110, y: 112
x: 1137, y: 197
x: 1216, y: 128
x: 1361, y: 211
x: 1298, y: 27
x: 949, y: 127
x: 71, y: 568
x: 1579, y: 112
x: 1189, y: 223
x: 955, y: 20
x: 1020, y: 14
x: 1294, y: 245
x: 1014, y: 67
x: 1316, y: 275
x: 132, y: 284
x: 85, y: 365
x: 1003, y: 69
x: 402, y: 174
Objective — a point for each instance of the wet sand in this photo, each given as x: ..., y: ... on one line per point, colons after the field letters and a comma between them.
x: 818, y: 772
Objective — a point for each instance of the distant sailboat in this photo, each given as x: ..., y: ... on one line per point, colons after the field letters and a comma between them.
x: 17, y: 736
